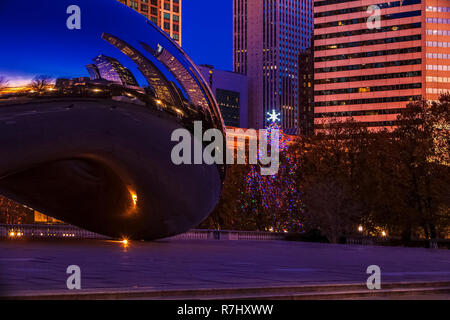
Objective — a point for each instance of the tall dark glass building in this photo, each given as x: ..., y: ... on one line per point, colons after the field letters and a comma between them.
x: 306, y: 92
x: 268, y: 37
x: 231, y: 92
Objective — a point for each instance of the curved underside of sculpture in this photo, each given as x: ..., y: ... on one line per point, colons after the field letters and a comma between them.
x: 90, y: 143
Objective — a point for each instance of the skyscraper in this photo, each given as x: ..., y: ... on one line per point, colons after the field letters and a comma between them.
x: 306, y: 92
x: 369, y: 71
x: 231, y: 92
x: 269, y: 35
x: 166, y: 14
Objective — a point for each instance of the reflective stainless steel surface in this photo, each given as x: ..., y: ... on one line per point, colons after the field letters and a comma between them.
x: 86, y: 117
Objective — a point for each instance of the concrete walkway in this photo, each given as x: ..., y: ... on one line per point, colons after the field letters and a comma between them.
x: 180, y: 264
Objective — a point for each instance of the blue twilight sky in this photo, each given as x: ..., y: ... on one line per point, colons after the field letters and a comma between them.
x: 208, y: 32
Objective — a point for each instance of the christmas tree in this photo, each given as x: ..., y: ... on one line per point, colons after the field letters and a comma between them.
x: 273, y: 202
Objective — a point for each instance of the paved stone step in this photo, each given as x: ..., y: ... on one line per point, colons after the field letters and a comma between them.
x: 319, y: 291
x: 443, y: 292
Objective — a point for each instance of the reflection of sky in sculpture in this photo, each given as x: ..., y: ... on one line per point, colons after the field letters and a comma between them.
x: 42, y: 45
x: 208, y: 32
x: 49, y: 18
x: 201, y: 48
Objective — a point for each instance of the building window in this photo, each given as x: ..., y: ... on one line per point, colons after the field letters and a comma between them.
x: 229, y: 104
x: 134, y: 5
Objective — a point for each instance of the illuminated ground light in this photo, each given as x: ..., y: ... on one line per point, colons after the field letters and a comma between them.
x: 15, y: 234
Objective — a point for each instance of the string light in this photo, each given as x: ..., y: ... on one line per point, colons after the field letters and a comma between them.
x: 276, y: 197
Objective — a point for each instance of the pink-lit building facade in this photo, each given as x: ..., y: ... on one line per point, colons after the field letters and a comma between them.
x: 268, y: 37
x: 371, y: 73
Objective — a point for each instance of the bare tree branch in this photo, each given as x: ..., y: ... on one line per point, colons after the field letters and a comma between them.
x: 3, y: 83
x: 40, y: 83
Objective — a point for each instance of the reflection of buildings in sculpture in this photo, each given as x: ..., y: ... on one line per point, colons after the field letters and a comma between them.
x: 189, y: 79
x: 154, y: 77
x: 40, y: 218
x: 110, y: 69
x: 231, y: 92
x: 183, y: 76
x: 94, y: 73
x: 86, y: 87
x: 64, y: 83
x: 69, y: 83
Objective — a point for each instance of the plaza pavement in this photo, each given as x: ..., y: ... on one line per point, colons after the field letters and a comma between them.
x: 40, y: 266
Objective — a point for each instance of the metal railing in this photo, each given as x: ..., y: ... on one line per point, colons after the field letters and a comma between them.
x: 56, y: 231
x: 199, y: 234
x: 64, y: 231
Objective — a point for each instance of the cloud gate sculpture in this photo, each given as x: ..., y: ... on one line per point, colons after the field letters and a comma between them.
x: 90, y: 93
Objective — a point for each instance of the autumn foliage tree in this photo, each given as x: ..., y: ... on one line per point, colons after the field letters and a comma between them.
x: 328, y: 176
x: 422, y: 142
x: 397, y: 180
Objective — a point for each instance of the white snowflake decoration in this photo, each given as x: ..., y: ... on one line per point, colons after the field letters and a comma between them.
x: 273, y: 116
